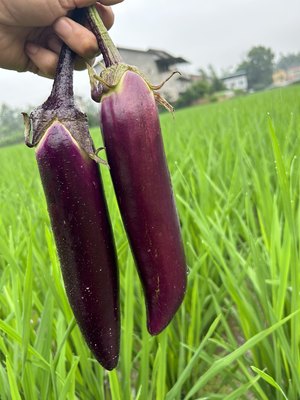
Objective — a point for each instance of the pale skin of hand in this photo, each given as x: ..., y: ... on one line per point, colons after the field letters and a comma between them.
x: 32, y: 32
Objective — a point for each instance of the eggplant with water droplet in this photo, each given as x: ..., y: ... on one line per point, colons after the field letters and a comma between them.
x: 78, y: 213
x: 133, y: 141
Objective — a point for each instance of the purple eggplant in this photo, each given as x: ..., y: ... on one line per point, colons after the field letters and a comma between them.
x: 135, y: 153
x: 132, y: 136
x: 78, y: 214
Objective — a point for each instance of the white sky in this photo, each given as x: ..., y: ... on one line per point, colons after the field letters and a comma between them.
x: 216, y: 32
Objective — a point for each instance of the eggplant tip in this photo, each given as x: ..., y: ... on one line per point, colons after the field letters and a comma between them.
x: 108, y: 364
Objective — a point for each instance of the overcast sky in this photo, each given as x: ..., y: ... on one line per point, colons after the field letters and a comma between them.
x: 217, y: 32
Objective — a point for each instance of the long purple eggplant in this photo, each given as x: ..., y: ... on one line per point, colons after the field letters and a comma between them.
x: 78, y: 213
x: 135, y: 153
x: 132, y: 136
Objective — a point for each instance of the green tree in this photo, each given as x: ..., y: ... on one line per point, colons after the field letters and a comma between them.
x: 208, y: 84
x: 195, y: 92
x: 11, y: 125
x: 288, y: 61
x: 216, y: 84
x: 258, y: 65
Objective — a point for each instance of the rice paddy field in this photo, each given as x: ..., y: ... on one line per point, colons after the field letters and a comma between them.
x: 235, y: 169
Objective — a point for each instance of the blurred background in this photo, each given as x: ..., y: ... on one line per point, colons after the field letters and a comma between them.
x: 233, y: 152
x: 214, y: 41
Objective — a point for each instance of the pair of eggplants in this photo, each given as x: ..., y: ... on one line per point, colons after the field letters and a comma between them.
x: 78, y: 211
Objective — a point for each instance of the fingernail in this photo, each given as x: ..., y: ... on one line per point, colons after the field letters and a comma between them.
x: 32, y: 48
x: 62, y: 27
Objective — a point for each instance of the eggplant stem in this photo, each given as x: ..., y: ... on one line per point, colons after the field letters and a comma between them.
x: 62, y: 89
x: 108, y: 49
x: 115, y: 69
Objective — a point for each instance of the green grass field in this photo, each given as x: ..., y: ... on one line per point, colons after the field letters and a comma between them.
x: 235, y: 168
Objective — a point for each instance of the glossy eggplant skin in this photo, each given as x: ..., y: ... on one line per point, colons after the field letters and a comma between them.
x: 134, y: 147
x: 84, y: 240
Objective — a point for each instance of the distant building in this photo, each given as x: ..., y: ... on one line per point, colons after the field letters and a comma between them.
x: 282, y: 77
x: 157, y: 65
x: 279, y: 77
x: 236, y: 81
x: 293, y: 74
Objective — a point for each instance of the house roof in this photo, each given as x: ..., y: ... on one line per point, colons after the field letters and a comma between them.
x: 235, y: 75
x: 161, y: 56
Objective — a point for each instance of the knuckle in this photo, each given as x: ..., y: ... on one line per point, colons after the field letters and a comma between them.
x: 88, y: 47
x: 47, y: 70
x: 67, y: 4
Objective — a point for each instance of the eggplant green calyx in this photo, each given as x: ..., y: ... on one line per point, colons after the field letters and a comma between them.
x: 60, y: 106
x: 109, y: 79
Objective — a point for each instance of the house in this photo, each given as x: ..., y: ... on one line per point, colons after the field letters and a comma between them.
x: 236, y: 81
x: 284, y: 77
x: 157, y: 66
x: 293, y: 74
x: 279, y: 77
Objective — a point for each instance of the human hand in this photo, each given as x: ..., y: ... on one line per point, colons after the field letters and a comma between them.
x: 32, y: 32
